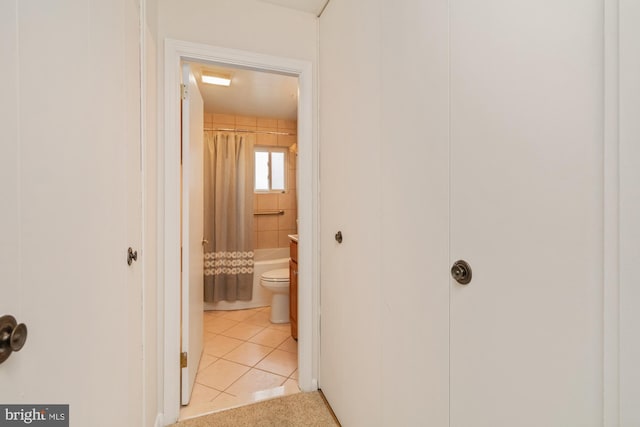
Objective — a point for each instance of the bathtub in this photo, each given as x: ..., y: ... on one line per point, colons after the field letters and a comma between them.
x: 264, y: 260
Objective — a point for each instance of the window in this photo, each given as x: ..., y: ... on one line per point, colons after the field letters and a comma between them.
x: 270, y: 169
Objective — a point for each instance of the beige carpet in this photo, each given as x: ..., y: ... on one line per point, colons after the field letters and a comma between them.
x: 300, y: 409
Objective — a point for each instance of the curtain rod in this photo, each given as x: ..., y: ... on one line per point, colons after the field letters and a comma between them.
x: 249, y: 131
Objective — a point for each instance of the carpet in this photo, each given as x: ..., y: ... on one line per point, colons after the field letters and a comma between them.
x: 295, y: 410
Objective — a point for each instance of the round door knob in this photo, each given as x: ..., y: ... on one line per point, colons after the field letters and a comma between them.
x: 18, y: 337
x: 12, y: 336
x: 461, y: 272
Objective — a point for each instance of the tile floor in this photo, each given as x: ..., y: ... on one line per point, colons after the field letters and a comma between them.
x: 246, y: 358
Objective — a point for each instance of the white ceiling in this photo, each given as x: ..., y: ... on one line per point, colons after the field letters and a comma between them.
x: 251, y: 93
x: 311, y: 6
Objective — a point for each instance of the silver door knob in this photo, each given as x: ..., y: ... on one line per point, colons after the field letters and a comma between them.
x: 461, y: 272
x: 12, y: 336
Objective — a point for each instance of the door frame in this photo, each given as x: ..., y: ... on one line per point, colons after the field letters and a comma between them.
x: 175, y: 52
x: 611, y: 217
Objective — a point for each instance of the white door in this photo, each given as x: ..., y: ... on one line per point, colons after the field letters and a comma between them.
x: 526, y: 212
x: 70, y: 191
x: 349, y: 166
x: 192, y: 231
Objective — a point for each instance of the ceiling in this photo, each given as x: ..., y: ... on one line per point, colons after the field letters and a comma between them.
x: 311, y: 6
x: 251, y: 93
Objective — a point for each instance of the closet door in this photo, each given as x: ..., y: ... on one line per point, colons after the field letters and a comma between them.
x: 71, y: 195
x: 350, y: 203
x: 526, y: 212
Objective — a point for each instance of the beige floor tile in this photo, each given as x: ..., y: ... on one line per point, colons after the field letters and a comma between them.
x: 219, y: 345
x: 282, y: 327
x: 261, y: 318
x: 202, y: 393
x: 279, y: 362
x: 221, y: 374
x: 242, y: 331
x: 291, y: 387
x: 248, y: 353
x: 213, y: 314
x: 221, y: 338
x: 290, y: 345
x: 269, y: 337
x: 239, y: 315
x: 254, y: 381
x: 217, y: 325
x: 205, y: 361
x: 197, y: 410
x: 228, y: 401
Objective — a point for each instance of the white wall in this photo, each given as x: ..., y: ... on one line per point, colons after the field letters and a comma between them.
x: 240, y: 24
x: 629, y: 212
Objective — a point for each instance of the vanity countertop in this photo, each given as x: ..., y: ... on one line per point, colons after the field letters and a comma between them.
x: 293, y: 237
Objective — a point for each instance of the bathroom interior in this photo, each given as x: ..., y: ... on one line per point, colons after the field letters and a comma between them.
x: 250, y: 346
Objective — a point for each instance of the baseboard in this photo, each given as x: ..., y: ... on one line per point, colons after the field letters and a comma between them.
x: 159, y: 421
x: 326, y: 403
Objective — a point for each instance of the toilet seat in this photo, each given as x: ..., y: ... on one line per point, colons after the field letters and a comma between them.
x: 276, y: 276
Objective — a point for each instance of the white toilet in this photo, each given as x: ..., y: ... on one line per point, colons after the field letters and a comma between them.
x: 277, y: 281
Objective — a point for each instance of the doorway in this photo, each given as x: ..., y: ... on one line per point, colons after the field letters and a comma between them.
x: 248, y: 351
x: 177, y: 52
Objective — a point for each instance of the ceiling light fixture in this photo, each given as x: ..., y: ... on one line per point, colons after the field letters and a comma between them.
x: 216, y: 79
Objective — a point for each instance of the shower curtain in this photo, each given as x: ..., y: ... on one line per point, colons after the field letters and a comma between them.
x: 228, y: 217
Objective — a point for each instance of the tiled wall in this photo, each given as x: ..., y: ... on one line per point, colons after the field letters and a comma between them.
x: 270, y: 231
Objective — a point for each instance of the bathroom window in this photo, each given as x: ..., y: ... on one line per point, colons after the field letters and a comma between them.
x: 270, y: 169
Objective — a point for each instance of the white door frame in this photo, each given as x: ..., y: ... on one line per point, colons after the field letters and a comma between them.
x: 611, y: 218
x: 308, y: 321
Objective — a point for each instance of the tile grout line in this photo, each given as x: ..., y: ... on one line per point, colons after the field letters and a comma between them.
x: 272, y: 349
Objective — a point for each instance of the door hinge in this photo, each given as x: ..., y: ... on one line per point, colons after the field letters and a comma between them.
x: 184, y: 92
x: 183, y: 359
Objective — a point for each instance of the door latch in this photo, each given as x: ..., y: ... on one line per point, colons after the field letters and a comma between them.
x: 131, y: 256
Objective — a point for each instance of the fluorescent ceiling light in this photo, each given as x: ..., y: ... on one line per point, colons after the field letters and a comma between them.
x: 217, y: 79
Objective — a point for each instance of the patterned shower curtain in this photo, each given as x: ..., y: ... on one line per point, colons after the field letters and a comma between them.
x: 228, y: 217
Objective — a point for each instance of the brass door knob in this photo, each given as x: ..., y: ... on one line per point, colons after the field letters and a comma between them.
x: 12, y: 336
x: 461, y: 272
